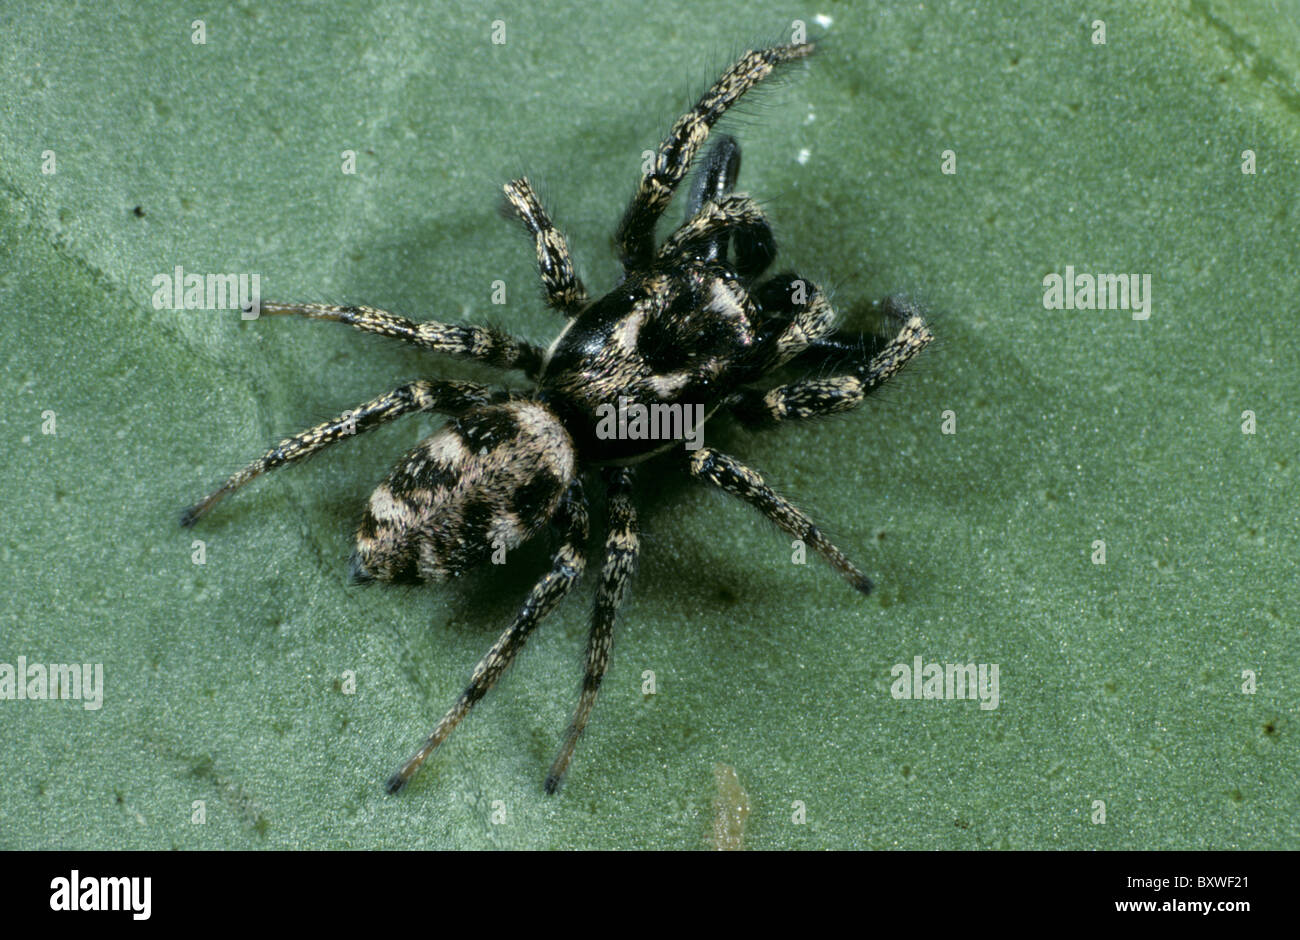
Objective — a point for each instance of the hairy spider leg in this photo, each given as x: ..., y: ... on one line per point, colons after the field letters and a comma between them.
x: 621, y: 546
x: 737, y: 216
x: 450, y: 398
x: 839, y: 348
x: 567, y: 564
x: 796, y: 314
x: 709, y: 212
x: 564, y: 289
x: 732, y: 476
x: 672, y: 161
x: 479, y: 343
x: 814, y: 397
x: 716, y: 176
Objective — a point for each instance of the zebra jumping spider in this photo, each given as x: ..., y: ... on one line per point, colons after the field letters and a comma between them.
x: 689, y: 324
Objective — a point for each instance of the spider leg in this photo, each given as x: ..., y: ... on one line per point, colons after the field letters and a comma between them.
x: 755, y: 247
x: 734, y: 477
x: 840, y: 348
x: 796, y: 315
x: 713, y: 181
x: 672, y: 160
x: 705, y: 234
x: 452, y: 398
x: 567, y: 564
x: 834, y: 350
x: 480, y: 343
x: 811, y: 398
x: 621, y: 547
x: 718, y: 174
x: 564, y: 290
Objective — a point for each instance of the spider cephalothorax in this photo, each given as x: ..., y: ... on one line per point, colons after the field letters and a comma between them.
x: 688, y: 331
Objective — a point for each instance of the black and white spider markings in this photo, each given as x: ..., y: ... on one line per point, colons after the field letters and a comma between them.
x: 688, y: 323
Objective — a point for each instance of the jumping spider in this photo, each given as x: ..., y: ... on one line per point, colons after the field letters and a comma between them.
x: 688, y: 323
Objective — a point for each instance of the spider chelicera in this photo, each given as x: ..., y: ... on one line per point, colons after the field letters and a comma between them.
x: 688, y: 325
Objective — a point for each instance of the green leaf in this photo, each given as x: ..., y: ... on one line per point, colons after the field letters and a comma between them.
x: 224, y: 682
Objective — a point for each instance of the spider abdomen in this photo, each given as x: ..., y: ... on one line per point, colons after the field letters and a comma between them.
x: 485, y: 483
